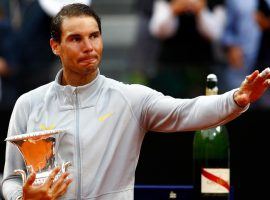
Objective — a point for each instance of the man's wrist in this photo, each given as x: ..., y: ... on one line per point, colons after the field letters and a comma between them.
x: 236, y: 98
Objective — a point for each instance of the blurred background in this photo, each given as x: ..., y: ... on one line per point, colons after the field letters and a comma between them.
x: 170, y: 46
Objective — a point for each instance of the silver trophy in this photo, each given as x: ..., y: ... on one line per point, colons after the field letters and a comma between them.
x: 38, y: 152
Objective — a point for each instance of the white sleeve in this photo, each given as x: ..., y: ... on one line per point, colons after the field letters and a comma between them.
x: 163, y: 24
x: 166, y: 114
x: 160, y: 113
x: 12, y: 184
x: 211, y: 24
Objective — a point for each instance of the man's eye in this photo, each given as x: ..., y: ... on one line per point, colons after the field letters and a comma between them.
x: 93, y: 36
x: 76, y: 39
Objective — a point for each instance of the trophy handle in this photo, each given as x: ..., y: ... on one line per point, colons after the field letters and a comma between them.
x: 22, y: 173
x: 65, y: 166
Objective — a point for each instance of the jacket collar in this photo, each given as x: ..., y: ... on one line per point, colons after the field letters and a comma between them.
x: 70, y: 97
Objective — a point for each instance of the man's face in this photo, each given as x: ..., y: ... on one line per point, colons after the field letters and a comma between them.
x: 81, y: 46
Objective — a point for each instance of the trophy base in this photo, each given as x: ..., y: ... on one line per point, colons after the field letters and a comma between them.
x: 43, y: 176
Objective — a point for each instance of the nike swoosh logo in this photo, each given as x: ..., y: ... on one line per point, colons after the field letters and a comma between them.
x: 104, y: 117
x: 43, y: 127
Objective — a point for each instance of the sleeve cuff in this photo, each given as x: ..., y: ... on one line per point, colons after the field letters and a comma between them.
x: 241, y: 108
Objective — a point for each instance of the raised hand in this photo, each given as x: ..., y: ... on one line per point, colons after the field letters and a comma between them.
x: 253, y: 87
x: 50, y: 190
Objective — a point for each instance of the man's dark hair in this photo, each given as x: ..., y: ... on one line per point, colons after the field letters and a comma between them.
x: 71, y: 10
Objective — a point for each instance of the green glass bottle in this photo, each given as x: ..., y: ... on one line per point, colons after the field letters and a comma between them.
x: 211, y: 166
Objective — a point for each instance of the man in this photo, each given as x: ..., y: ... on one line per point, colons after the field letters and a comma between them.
x: 105, y: 120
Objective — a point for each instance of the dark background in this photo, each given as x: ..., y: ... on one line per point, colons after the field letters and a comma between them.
x: 166, y: 159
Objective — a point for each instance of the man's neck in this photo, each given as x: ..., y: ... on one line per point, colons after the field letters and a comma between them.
x: 77, y: 79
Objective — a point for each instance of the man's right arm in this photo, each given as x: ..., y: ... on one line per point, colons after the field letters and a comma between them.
x: 12, y: 184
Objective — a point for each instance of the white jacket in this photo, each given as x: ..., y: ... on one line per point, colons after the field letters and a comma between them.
x: 106, y: 121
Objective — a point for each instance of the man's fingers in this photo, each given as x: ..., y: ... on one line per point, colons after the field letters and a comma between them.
x: 265, y: 73
x: 51, y: 177
x: 263, y: 76
x: 259, y: 77
x: 30, y: 180
x: 59, y: 182
x: 63, y: 188
x: 267, y: 83
x: 252, y: 76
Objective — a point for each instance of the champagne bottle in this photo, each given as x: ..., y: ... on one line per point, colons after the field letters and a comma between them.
x: 211, y: 170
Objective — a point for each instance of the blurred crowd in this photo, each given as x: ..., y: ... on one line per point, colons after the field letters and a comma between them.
x: 178, y: 42
x: 25, y: 53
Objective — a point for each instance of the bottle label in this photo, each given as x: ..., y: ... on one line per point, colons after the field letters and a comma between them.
x: 215, y: 180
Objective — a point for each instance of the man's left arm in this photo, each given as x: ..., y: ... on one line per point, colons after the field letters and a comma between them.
x: 166, y: 114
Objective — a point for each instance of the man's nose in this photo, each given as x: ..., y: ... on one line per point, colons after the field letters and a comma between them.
x: 87, y: 45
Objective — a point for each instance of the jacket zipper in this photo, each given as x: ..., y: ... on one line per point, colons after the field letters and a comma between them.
x: 78, y: 150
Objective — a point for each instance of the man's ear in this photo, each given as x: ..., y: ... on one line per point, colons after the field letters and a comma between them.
x: 55, y: 46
